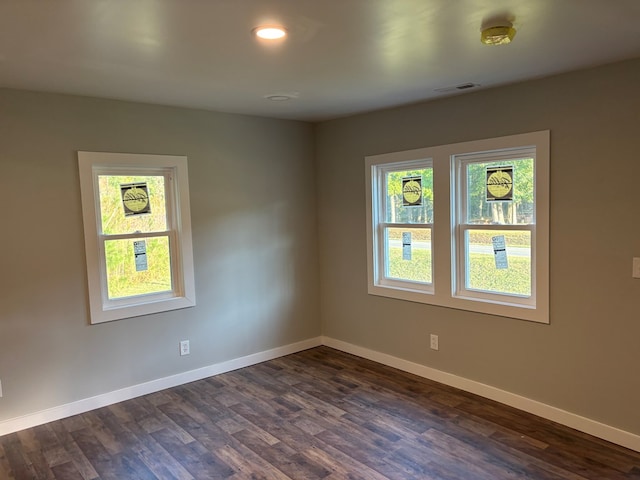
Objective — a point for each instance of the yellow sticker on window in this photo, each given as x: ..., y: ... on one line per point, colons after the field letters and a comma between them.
x: 135, y: 198
x: 412, y: 191
x: 499, y: 184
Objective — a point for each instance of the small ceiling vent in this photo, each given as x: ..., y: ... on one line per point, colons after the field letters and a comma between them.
x: 462, y: 86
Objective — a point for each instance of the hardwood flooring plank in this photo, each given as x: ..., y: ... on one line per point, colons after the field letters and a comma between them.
x: 548, y: 472
x: 66, y: 471
x: 71, y: 424
x: 40, y: 465
x: 342, y: 465
x: 365, y: 452
x: 19, y: 464
x: 94, y: 452
x: 247, y: 464
x: 155, y: 457
x: 580, y: 465
x: 312, y: 400
x: 316, y: 414
x: 128, y: 465
x: 194, y: 457
x: 132, y: 410
x: 67, y: 448
x: 285, y: 458
x: 200, y: 406
x: 29, y: 438
x: 57, y: 455
x: 634, y: 473
x: 106, y: 436
x: 5, y: 469
x: 179, y: 432
x: 480, y: 462
x: 513, y: 455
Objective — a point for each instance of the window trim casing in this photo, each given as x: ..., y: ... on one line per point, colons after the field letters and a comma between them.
x: 182, y: 295
x: 379, y: 186
x: 461, y: 225
x: 444, y: 248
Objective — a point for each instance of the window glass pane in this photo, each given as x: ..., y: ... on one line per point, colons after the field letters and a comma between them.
x: 131, y: 204
x: 500, y: 193
x: 138, y: 267
x: 409, y: 196
x: 408, y: 254
x: 498, y: 261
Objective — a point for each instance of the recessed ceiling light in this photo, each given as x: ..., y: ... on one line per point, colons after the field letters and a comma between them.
x: 282, y: 96
x: 270, y: 32
x: 498, y: 34
x: 278, y: 97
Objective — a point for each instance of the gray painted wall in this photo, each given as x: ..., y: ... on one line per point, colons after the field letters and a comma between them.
x: 255, y: 188
x: 586, y: 361
x: 254, y: 229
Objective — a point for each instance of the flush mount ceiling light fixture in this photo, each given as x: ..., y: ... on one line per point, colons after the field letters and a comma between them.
x: 270, y: 32
x: 278, y: 98
x: 498, y: 34
x: 282, y: 96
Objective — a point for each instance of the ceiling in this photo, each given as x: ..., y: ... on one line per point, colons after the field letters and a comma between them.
x: 340, y: 56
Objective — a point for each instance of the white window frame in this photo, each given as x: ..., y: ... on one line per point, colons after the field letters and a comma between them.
x: 380, y: 188
x: 461, y: 226
x: 446, y: 246
x: 174, y: 169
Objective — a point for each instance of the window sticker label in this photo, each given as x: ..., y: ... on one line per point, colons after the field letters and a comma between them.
x: 406, y: 245
x: 500, y: 252
x: 412, y: 191
x: 140, y: 255
x: 500, y: 184
x: 135, y: 198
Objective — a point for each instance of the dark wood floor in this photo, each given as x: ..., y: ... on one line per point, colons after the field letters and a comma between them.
x: 318, y: 414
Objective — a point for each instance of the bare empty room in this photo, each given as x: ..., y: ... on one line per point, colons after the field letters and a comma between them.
x: 277, y: 239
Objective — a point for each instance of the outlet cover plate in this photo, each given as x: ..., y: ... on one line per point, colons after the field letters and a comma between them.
x: 636, y: 267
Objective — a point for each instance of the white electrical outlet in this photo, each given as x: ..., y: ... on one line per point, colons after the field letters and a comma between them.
x: 184, y: 348
x: 636, y: 267
x: 434, y: 342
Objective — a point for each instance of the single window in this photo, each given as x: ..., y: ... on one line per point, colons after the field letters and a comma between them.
x: 137, y: 229
x: 403, y: 233
x: 495, y: 223
x: 483, y: 245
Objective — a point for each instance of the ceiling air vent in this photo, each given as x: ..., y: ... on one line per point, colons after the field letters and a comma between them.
x: 462, y: 86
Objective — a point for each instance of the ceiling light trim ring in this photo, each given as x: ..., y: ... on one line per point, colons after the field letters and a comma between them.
x: 270, y: 32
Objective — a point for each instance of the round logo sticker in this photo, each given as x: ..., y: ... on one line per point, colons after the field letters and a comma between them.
x: 499, y: 184
x: 411, y: 192
x: 135, y: 199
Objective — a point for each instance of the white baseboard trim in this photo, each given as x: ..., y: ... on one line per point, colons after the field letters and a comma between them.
x: 583, y: 424
x: 109, y: 398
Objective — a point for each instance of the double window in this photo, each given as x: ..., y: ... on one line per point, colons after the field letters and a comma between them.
x: 463, y: 225
x: 137, y: 234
